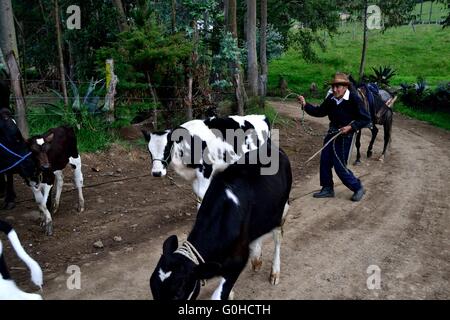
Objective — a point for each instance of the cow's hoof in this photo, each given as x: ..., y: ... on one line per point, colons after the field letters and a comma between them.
x: 9, y: 205
x: 381, y: 159
x: 49, y: 229
x: 274, y: 278
x: 357, y: 163
x: 55, y: 208
x: 256, y: 264
x: 369, y: 154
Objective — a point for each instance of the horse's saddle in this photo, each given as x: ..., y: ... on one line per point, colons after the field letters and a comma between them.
x: 373, y: 103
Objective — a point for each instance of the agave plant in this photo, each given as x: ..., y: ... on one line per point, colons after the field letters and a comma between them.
x: 382, y: 76
x: 89, y: 101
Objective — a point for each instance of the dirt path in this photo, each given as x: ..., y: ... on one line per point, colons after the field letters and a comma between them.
x: 402, y: 226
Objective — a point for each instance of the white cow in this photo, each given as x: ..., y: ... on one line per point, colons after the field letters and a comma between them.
x: 198, y: 149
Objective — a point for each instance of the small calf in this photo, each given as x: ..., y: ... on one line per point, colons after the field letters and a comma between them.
x: 54, y: 150
x: 240, y: 206
x: 8, y: 288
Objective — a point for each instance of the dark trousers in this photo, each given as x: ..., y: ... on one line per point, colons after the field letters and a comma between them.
x: 336, y: 155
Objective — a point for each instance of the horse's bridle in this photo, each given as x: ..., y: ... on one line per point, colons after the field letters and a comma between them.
x: 21, y: 158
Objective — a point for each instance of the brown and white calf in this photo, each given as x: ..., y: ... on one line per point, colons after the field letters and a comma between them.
x: 53, y: 151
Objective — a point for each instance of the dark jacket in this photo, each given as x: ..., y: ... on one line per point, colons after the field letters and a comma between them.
x: 341, y: 115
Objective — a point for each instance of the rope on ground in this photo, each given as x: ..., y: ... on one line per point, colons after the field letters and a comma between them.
x: 114, y: 181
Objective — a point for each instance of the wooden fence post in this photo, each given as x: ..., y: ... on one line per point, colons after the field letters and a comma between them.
x: 111, y: 82
x: 21, y: 110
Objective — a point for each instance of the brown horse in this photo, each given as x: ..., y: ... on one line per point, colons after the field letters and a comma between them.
x: 378, y: 104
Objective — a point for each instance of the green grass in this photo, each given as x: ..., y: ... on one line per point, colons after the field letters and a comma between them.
x: 438, y: 11
x: 424, y: 53
x: 438, y: 119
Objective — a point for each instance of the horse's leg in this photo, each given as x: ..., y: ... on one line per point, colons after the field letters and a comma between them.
x: 358, y: 146
x: 10, y: 195
x: 374, y: 131
x: 387, y: 126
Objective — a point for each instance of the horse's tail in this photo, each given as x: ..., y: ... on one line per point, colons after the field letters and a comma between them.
x: 36, y: 271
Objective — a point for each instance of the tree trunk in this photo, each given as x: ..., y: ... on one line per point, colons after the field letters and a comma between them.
x: 235, y: 67
x: 155, y: 101
x: 174, y: 15
x: 189, y: 114
x: 111, y: 83
x: 60, y: 54
x: 123, y: 26
x: 8, y: 40
x: 252, y: 63
x: 364, y: 48
x: 21, y: 109
x: 421, y: 7
x: 263, y: 52
x: 225, y: 13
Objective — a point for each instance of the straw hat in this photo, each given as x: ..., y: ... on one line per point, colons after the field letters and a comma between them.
x: 340, y: 78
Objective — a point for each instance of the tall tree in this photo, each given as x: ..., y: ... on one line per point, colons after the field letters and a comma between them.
x: 60, y: 54
x: 364, y: 47
x: 8, y: 40
x: 252, y: 60
x: 263, y: 48
x: 174, y: 15
x: 123, y: 25
x: 236, y: 69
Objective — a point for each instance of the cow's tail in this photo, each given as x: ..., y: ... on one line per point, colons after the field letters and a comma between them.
x: 35, y: 269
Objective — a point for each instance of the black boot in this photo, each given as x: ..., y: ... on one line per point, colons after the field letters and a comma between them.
x: 326, y: 192
x: 358, y: 194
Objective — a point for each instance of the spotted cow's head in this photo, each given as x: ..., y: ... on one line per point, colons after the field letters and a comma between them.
x: 176, y: 277
x: 40, y: 145
x: 160, y: 148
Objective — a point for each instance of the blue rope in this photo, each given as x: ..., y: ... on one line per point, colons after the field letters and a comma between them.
x: 21, y: 158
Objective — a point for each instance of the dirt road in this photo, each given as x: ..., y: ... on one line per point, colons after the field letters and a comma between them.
x: 401, y: 228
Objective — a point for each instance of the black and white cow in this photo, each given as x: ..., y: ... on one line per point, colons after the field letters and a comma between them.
x: 15, y: 156
x: 198, y: 149
x: 8, y: 288
x: 240, y: 206
x: 54, y: 150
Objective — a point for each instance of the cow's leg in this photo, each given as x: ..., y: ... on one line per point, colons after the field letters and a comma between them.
x: 255, y: 254
x: 10, y: 194
x: 374, y: 131
x: 78, y: 180
x: 41, y: 193
x: 277, y: 237
x: 358, y: 146
x: 224, y: 291
x: 59, y: 185
x: 275, y: 272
